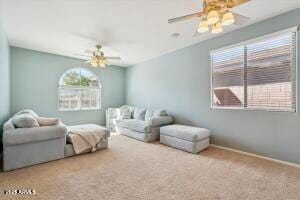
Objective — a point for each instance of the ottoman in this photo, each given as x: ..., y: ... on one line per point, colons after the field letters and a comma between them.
x: 103, y: 144
x: 187, y: 138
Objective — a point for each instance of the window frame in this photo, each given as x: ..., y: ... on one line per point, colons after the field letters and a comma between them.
x: 80, y: 87
x: 248, y: 42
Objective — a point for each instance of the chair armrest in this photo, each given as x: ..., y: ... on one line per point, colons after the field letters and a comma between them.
x: 8, y: 126
x: 111, y: 113
x: 60, y: 123
x: 160, y: 121
x: 36, y: 134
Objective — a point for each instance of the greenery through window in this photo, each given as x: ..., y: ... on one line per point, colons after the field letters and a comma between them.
x: 79, y: 89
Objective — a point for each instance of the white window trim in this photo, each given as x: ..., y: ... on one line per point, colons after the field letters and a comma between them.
x: 247, y: 42
x: 80, y: 87
x: 258, y: 39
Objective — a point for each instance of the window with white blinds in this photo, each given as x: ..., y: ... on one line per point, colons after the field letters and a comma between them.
x: 256, y: 75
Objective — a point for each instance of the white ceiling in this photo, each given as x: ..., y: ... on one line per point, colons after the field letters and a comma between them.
x: 136, y: 30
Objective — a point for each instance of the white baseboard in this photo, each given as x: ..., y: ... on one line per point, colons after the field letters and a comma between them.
x: 257, y: 156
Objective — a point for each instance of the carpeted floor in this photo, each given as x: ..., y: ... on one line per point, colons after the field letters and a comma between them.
x: 131, y: 170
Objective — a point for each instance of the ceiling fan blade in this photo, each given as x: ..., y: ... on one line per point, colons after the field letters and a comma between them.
x: 239, y: 2
x: 82, y: 55
x: 186, y: 17
x: 112, y: 58
x: 88, y: 51
x: 240, y: 19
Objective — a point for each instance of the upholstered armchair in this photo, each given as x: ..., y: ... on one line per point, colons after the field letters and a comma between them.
x: 139, y: 123
x: 28, y: 146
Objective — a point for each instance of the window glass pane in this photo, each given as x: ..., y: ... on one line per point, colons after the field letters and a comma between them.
x: 90, y: 98
x: 269, y: 73
x: 228, y: 77
x: 78, y: 90
x: 95, y: 98
x: 85, y: 99
x: 87, y: 79
x: 71, y: 78
x: 260, y: 75
x: 69, y: 99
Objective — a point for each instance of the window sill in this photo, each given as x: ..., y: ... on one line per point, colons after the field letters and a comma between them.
x: 252, y: 109
x: 91, y: 109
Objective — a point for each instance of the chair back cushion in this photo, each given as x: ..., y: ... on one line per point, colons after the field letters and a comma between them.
x: 124, y: 113
x: 44, y: 121
x: 25, y: 121
x: 139, y: 113
x: 27, y: 111
x: 160, y: 112
x: 149, y: 114
x: 130, y: 108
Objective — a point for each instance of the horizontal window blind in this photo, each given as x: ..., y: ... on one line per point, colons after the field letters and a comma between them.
x: 228, y: 79
x: 258, y: 75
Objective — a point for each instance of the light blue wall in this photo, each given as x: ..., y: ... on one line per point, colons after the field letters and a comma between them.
x: 180, y: 83
x: 4, y: 81
x: 34, y: 81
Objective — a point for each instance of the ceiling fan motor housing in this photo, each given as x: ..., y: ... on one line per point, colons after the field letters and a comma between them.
x: 98, y: 46
x: 218, y: 5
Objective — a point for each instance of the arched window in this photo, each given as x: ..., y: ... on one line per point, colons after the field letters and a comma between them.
x: 79, y: 89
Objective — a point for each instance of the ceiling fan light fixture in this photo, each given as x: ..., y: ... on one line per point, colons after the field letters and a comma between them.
x: 203, y: 26
x: 213, y: 17
x: 102, y: 63
x: 94, y: 62
x: 97, y: 59
x: 97, y: 62
x: 217, y: 28
x: 228, y: 19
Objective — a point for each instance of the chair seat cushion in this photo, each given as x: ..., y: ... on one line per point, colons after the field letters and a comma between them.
x: 134, y: 124
x: 189, y: 133
x: 86, y: 128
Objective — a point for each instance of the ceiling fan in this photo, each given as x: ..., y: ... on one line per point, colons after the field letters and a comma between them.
x: 96, y: 57
x: 216, y: 13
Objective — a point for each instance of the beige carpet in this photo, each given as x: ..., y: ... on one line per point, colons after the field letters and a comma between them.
x: 131, y: 170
